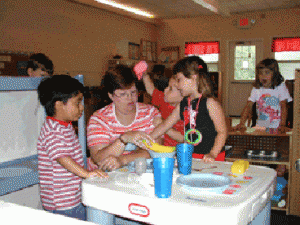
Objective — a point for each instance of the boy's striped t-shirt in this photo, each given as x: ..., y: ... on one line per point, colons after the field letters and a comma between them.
x: 60, y: 189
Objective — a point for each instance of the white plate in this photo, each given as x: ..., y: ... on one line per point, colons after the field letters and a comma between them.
x: 203, y: 183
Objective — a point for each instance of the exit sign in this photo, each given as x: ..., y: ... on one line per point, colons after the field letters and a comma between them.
x: 244, y: 23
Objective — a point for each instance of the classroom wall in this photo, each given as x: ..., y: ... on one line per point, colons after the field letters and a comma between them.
x: 269, y: 24
x: 78, y: 38
x: 81, y: 39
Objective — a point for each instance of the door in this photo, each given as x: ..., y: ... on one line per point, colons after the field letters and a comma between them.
x: 243, y: 57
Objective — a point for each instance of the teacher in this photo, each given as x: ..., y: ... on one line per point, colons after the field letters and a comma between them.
x: 112, y: 129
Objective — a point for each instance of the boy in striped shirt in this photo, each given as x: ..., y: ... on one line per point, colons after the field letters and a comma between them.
x: 60, y: 157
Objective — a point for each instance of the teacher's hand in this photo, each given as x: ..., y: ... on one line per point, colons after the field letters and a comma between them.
x: 137, y: 138
x: 110, y: 163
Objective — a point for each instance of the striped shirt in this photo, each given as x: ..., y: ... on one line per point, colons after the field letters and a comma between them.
x: 104, y: 127
x: 60, y: 189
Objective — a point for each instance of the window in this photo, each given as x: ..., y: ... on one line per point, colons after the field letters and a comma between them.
x: 208, y: 51
x: 287, y: 53
x: 244, y: 62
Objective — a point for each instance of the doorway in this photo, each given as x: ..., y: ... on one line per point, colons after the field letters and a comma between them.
x: 243, y: 57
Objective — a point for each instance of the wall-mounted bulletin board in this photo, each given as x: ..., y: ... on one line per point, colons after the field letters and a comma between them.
x: 13, y: 63
x: 148, y: 50
x: 169, y: 54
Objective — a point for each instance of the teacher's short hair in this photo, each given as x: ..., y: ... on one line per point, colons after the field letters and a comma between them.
x: 119, y: 77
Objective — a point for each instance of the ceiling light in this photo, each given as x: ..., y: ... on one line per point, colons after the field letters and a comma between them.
x: 126, y: 8
x: 207, y: 5
x: 214, y: 6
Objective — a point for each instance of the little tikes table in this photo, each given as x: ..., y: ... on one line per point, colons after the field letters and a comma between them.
x: 245, y: 201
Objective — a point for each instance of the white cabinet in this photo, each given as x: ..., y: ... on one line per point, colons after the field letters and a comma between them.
x: 29, y: 196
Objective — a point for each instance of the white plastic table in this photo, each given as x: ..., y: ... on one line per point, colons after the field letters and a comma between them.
x: 247, y: 200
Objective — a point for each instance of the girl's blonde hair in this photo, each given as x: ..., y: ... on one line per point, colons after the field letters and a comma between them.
x: 194, y: 65
x: 272, y: 65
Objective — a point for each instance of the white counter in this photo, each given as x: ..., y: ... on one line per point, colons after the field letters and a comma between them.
x: 15, y: 214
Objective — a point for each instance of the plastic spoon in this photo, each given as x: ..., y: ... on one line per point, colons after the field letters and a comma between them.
x: 212, y: 167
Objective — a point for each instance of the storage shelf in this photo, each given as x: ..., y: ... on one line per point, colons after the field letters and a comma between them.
x: 279, y: 160
x: 279, y: 209
x: 256, y: 141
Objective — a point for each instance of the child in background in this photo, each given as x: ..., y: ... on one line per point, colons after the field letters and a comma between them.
x: 39, y: 65
x: 271, y: 96
x: 279, y: 197
x: 60, y: 157
x: 159, y: 78
x: 199, y: 110
x: 166, y: 101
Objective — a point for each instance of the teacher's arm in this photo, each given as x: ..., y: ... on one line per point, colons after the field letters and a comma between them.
x: 101, y: 151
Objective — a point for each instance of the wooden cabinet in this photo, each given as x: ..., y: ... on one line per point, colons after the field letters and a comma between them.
x: 294, y: 182
x: 13, y: 63
x: 169, y: 55
x: 259, y: 141
x: 148, y: 50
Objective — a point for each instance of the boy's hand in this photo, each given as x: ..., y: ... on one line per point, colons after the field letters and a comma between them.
x: 97, y: 173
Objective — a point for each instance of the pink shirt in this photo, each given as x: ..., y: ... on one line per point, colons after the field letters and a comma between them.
x: 104, y: 128
x: 60, y: 189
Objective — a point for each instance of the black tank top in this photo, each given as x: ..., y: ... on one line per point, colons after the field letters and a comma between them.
x: 203, y: 123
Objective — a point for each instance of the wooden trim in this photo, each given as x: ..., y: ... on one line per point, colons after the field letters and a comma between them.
x: 294, y: 183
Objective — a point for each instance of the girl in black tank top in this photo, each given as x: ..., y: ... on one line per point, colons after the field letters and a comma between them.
x: 203, y: 115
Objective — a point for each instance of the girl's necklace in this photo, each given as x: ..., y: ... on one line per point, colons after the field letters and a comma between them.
x: 193, y: 116
x: 193, y: 113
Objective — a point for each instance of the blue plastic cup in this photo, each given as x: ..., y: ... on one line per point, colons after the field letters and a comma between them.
x: 184, y: 158
x: 163, y: 176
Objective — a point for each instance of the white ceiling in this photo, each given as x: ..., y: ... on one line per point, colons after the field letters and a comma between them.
x: 189, y: 8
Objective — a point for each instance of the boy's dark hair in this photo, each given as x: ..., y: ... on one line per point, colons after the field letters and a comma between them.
x: 39, y: 60
x: 195, y: 65
x: 159, y: 78
x: 58, y: 88
x: 272, y: 65
x: 119, y: 77
x: 158, y: 69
